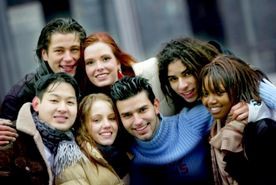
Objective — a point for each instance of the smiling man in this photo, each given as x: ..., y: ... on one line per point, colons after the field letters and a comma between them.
x: 58, y: 50
x: 45, y: 135
x: 167, y: 150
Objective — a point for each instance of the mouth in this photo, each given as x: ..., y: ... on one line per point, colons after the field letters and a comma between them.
x: 68, y: 68
x: 61, y: 119
x: 187, y: 94
x: 106, y: 134
x: 101, y: 76
x: 142, y: 129
x: 214, y: 110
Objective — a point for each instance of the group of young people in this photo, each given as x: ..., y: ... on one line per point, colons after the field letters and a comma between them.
x: 86, y: 116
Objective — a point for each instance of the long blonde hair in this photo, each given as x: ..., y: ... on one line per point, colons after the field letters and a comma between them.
x: 82, y: 131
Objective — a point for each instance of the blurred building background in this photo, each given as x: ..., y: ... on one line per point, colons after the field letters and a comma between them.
x: 140, y: 27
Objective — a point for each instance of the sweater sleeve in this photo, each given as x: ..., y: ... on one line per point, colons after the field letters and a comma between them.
x: 268, y: 93
x: 198, y: 119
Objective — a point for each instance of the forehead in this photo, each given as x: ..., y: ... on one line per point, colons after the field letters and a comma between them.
x: 212, y: 84
x: 98, y: 47
x: 176, y: 66
x: 57, y: 39
x: 133, y: 103
x: 101, y: 106
x: 61, y: 89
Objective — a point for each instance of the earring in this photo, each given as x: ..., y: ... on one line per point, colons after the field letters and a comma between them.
x: 120, y: 74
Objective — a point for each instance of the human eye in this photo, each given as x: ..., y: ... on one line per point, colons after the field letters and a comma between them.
x: 187, y: 73
x: 58, y: 51
x: 89, y: 62
x: 96, y: 119
x: 126, y: 115
x: 106, y: 58
x: 53, y: 100
x: 112, y: 118
x: 221, y: 93
x: 75, y: 49
x: 143, y: 109
x: 71, y: 102
x: 172, y: 79
x: 204, y: 93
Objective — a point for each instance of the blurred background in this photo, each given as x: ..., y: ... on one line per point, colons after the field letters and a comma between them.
x: 246, y: 27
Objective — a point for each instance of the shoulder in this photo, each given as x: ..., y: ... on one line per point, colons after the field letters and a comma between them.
x: 149, y: 70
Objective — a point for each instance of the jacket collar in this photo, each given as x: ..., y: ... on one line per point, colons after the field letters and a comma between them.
x: 25, y: 122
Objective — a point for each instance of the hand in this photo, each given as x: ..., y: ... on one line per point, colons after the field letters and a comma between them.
x: 7, y: 133
x: 240, y: 112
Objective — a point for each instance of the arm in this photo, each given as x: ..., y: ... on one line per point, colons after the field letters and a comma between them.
x: 20, y: 93
x: 268, y: 93
x: 260, y: 111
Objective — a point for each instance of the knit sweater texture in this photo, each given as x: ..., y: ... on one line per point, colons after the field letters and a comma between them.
x: 178, y: 151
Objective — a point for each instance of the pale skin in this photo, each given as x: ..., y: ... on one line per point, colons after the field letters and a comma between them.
x: 62, y: 56
x: 101, y: 64
x: 58, y: 106
x: 139, y: 115
x: 63, y: 53
x: 185, y: 85
x: 102, y: 123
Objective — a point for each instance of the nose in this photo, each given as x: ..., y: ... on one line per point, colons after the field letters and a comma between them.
x: 106, y: 123
x: 137, y: 120
x: 99, y: 65
x: 62, y: 107
x: 211, y: 99
x: 182, y: 84
x: 68, y: 56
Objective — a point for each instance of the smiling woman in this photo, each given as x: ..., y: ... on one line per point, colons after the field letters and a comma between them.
x: 226, y: 81
x: 96, y: 134
x: 104, y: 63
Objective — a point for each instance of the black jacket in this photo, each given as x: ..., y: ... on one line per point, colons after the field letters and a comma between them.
x: 256, y: 164
x: 22, y: 92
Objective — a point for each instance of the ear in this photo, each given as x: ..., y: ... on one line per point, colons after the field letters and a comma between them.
x: 156, y: 105
x: 44, y: 55
x: 36, y: 103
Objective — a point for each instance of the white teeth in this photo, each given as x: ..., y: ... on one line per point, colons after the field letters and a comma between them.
x: 141, y: 128
x: 101, y: 75
x: 214, y: 109
x: 106, y: 134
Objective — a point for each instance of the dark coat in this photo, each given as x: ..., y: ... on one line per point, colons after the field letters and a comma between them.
x: 24, y: 161
x: 256, y: 164
x: 22, y: 92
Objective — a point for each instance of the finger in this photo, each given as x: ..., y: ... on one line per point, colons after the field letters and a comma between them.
x: 4, y: 142
x: 5, y: 139
x: 242, y: 117
x: 7, y: 128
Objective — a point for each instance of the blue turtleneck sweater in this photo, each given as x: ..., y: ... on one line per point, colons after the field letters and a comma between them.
x: 178, y: 153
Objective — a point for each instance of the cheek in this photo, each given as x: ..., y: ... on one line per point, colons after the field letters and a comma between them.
x: 93, y: 130
x: 173, y: 86
x: 89, y: 69
x: 204, y: 101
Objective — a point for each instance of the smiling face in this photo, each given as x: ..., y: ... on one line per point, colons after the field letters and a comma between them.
x: 58, y: 106
x: 182, y: 81
x: 100, y: 64
x: 217, y: 102
x: 63, y: 52
x: 139, y: 116
x: 102, y: 124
